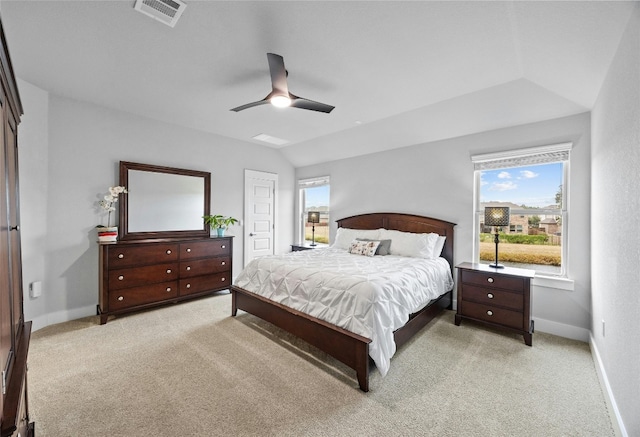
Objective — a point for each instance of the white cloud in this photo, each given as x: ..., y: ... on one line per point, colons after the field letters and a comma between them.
x: 504, y: 175
x: 503, y: 186
x: 528, y: 174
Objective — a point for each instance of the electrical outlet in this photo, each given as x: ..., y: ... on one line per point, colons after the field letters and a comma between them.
x: 603, y: 327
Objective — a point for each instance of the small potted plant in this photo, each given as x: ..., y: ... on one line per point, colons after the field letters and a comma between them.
x: 108, y: 203
x: 219, y: 222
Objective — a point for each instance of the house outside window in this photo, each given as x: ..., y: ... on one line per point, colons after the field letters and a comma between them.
x: 533, y: 184
x: 314, y: 196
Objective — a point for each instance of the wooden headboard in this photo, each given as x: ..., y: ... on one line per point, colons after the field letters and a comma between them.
x: 404, y: 222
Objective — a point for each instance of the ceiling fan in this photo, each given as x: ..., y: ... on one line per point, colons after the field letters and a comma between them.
x: 280, y: 95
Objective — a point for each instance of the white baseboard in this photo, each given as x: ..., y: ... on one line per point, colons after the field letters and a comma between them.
x: 618, y: 424
x: 562, y: 330
x: 62, y: 316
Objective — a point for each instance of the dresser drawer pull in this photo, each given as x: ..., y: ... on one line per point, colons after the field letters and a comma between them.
x: 490, y: 313
x: 188, y: 250
x: 224, y: 247
x: 223, y: 263
x: 168, y: 251
x: 120, y: 278
x: 121, y: 255
x: 222, y: 280
x: 120, y: 298
x: 490, y: 280
x: 490, y: 295
x: 168, y: 271
x: 168, y: 289
x: 188, y: 285
x: 188, y: 268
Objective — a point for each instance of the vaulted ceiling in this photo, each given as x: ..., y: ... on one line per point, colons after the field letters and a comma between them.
x: 398, y: 73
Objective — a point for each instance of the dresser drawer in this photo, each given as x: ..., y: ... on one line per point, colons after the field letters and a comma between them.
x: 492, y: 314
x: 130, y: 297
x: 197, y: 284
x: 135, y: 276
x: 126, y: 256
x: 493, y: 297
x: 201, y: 249
x: 491, y: 280
x: 199, y: 267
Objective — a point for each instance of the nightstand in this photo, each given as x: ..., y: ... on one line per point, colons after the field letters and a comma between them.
x: 299, y: 247
x: 496, y: 297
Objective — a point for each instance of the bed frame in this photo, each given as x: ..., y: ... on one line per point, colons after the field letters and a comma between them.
x: 347, y: 347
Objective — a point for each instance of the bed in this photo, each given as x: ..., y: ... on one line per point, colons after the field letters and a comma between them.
x: 345, y: 345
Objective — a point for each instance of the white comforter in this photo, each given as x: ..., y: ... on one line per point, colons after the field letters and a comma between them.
x: 369, y: 296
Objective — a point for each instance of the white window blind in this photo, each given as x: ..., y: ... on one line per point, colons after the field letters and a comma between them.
x: 313, y: 182
x: 522, y: 157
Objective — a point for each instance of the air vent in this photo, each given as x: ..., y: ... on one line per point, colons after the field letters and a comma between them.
x: 165, y: 11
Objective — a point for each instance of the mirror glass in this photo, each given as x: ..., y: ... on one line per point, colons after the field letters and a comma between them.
x: 163, y: 202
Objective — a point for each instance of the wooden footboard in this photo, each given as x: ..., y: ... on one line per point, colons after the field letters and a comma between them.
x: 347, y: 347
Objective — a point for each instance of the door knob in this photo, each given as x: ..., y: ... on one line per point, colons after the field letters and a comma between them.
x: 15, y: 228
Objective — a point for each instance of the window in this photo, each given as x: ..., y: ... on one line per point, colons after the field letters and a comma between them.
x: 314, y: 196
x: 533, y: 184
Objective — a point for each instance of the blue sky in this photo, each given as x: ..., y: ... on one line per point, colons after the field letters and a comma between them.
x: 532, y: 185
x: 317, y: 196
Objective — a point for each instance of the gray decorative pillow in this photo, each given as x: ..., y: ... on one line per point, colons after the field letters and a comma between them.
x: 384, y: 248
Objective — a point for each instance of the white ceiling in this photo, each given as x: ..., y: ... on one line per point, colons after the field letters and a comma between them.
x: 399, y: 73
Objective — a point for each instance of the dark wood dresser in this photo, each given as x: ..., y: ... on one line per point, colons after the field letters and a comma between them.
x: 496, y: 297
x: 139, y: 274
x: 15, y: 333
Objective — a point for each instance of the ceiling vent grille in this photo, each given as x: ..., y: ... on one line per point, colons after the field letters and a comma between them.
x: 165, y: 11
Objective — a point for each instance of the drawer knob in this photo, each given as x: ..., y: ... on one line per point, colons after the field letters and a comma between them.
x: 168, y: 270
x: 188, y: 268
x: 222, y: 280
x: 120, y: 278
x: 121, y: 255
x: 188, y: 285
x: 120, y: 298
x: 168, y: 251
x: 168, y: 289
x: 490, y: 313
x: 490, y: 295
x: 223, y: 263
x: 490, y: 280
x: 188, y: 249
x: 224, y: 247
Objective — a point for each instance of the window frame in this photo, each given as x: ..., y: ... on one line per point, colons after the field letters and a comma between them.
x: 519, y: 158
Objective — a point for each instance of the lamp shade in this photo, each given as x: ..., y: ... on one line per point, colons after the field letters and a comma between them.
x: 496, y: 216
x: 314, y: 217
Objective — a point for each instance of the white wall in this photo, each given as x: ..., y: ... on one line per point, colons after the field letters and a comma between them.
x: 67, y: 167
x: 436, y: 179
x: 615, y: 238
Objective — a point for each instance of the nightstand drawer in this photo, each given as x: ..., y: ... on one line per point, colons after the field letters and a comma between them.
x: 491, y: 314
x: 492, y: 297
x: 493, y: 280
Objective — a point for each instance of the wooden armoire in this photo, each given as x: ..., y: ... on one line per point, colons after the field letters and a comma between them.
x: 14, y: 331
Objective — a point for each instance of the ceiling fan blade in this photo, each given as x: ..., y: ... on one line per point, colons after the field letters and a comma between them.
x: 302, y: 103
x: 278, y: 73
x: 251, y: 105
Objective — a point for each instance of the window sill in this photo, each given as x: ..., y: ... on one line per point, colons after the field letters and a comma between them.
x: 553, y: 282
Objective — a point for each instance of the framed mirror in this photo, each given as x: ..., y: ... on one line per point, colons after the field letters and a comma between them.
x: 163, y: 202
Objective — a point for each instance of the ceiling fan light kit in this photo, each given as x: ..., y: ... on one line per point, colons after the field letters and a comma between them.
x: 280, y: 95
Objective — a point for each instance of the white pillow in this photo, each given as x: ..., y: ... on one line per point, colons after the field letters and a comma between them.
x: 437, y: 250
x: 366, y: 248
x: 410, y: 244
x: 345, y: 236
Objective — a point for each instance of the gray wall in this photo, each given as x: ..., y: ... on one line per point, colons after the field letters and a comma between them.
x: 615, y: 263
x: 69, y: 155
x: 436, y: 179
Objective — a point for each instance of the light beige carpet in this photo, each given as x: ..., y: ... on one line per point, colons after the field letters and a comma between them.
x: 192, y: 370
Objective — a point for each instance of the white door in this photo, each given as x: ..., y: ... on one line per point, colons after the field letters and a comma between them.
x: 259, y: 214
